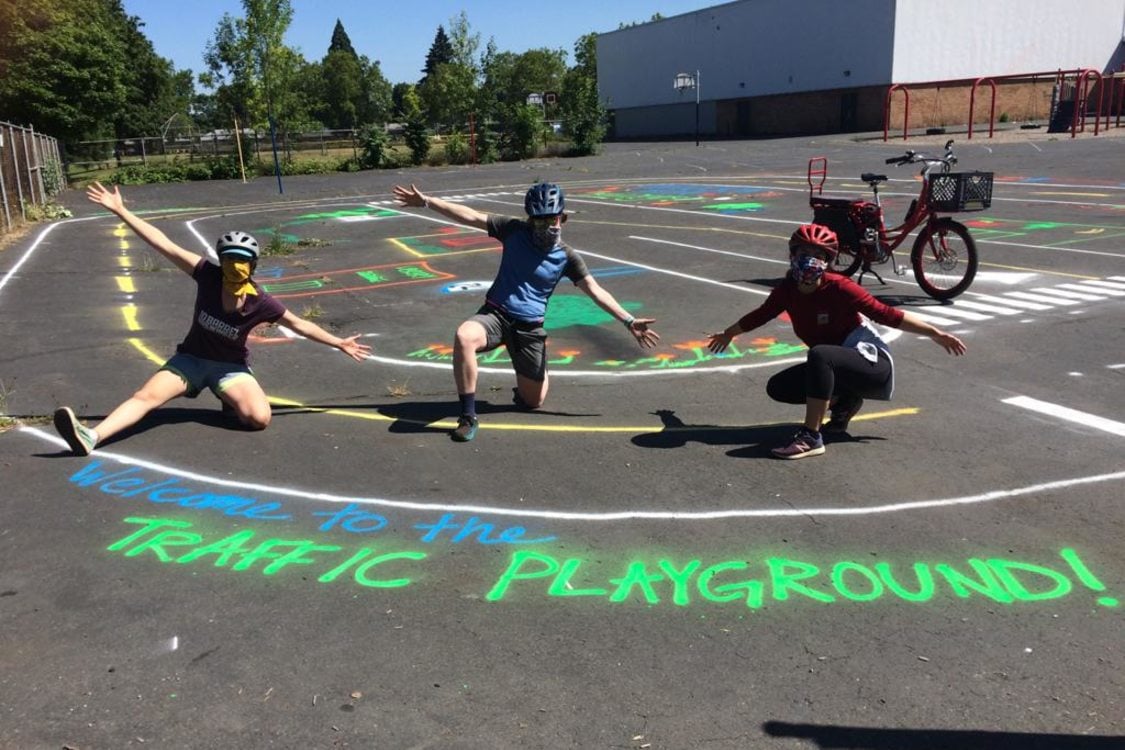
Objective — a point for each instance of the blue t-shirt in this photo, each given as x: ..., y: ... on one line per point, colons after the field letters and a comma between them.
x: 528, y: 276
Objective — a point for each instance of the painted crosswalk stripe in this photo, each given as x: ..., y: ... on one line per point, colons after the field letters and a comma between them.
x: 1105, y: 284
x: 1085, y: 287
x: 987, y: 308
x: 1012, y: 302
x: 1117, y: 278
x: 957, y: 312
x: 935, y: 319
x: 1042, y: 298
x: 1052, y: 291
x: 1070, y: 415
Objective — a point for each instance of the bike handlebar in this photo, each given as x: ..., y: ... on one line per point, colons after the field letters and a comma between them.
x: 913, y: 157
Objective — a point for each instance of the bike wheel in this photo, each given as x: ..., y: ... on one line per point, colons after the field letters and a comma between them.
x: 944, y: 258
x: 847, y: 262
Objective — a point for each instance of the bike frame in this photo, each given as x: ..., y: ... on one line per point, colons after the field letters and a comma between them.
x: 888, y: 239
x: 920, y: 214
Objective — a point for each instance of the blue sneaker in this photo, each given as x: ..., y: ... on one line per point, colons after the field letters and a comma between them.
x: 804, y: 445
x: 80, y: 439
x: 466, y: 428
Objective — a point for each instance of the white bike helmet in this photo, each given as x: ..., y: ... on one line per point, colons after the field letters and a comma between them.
x: 237, y: 244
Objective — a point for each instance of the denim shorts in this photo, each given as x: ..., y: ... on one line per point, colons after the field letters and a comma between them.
x: 199, y: 373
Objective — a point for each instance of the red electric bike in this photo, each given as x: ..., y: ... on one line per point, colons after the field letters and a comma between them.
x: 944, y: 255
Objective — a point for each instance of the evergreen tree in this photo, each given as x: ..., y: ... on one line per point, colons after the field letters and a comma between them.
x: 441, y: 51
x: 341, y: 42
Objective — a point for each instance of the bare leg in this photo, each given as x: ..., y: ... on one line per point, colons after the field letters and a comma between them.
x: 249, y: 401
x: 533, y: 392
x: 470, y: 339
x: 159, y: 390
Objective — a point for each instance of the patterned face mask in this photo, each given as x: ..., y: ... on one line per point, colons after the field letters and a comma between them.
x: 807, y: 269
x: 236, y: 278
x: 545, y: 236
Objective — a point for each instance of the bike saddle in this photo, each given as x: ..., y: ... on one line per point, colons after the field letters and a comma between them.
x: 872, y: 178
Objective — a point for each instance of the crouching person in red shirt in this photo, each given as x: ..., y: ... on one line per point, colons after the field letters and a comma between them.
x: 848, y: 361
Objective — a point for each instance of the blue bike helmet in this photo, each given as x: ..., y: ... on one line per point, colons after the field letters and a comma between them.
x: 544, y: 199
x: 237, y: 244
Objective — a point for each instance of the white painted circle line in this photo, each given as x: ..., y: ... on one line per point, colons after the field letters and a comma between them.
x: 625, y: 515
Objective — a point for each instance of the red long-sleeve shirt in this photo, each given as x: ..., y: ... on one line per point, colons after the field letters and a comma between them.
x: 824, y: 316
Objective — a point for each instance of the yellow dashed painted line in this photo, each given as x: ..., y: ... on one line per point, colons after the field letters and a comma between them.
x: 129, y: 312
x: 154, y: 357
x: 124, y: 262
x: 125, y: 284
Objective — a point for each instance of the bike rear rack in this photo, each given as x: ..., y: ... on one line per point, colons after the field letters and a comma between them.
x: 818, y: 167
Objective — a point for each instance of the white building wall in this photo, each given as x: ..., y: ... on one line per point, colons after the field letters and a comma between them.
x: 750, y: 48
x: 950, y: 39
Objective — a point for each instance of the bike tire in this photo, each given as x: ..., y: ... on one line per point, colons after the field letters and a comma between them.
x: 944, y: 258
x: 847, y: 262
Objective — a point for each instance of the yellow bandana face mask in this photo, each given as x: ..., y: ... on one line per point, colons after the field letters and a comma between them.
x: 236, y: 278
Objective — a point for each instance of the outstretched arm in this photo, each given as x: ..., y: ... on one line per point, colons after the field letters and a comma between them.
x: 311, y: 330
x: 947, y: 341
x: 413, y: 197
x: 644, y: 335
x: 185, y: 260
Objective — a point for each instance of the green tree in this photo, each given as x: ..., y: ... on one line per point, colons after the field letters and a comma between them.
x: 523, y: 132
x: 252, y: 69
x: 417, y: 136
x: 375, y: 93
x: 398, y: 93
x: 447, y: 95
x: 463, y: 42
x: 342, y: 89
x: 341, y: 42
x: 508, y: 79
x: 583, y: 114
x: 441, y: 51
x: 62, y: 67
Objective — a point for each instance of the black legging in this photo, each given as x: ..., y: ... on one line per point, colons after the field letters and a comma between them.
x: 831, y: 370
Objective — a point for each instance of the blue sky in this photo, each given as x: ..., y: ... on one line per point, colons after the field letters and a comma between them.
x: 399, y: 34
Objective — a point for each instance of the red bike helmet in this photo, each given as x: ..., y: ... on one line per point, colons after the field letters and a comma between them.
x: 816, y: 235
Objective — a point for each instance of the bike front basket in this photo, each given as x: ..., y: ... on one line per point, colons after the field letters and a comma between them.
x: 960, y: 191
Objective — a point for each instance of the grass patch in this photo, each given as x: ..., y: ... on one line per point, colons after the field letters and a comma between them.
x: 312, y: 312
x: 277, y: 246
x: 312, y: 242
x: 399, y: 390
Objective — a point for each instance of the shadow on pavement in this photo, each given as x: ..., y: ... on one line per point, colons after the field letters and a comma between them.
x: 755, y: 440
x: 868, y: 738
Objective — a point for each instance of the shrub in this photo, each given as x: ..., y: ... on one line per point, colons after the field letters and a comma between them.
x: 373, y: 147
x: 457, y: 149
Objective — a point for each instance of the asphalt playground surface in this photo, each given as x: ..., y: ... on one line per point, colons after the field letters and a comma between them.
x: 626, y: 567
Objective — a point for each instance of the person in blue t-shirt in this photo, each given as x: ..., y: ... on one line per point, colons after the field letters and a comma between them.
x: 533, y: 262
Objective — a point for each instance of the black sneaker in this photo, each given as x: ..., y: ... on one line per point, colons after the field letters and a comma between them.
x: 846, y: 407
x: 466, y: 428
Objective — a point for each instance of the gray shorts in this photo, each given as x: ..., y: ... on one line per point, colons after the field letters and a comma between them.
x: 199, y: 373
x: 526, y: 342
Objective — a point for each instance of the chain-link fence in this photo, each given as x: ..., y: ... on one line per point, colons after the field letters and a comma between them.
x: 30, y: 172
x: 189, y: 146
